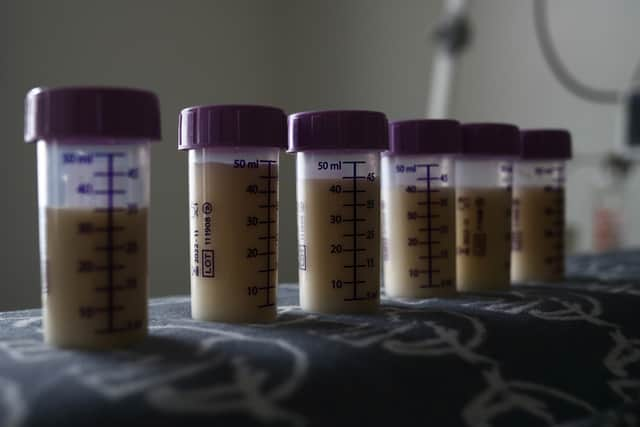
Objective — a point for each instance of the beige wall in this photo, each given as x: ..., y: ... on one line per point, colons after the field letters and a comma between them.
x: 297, y: 54
x: 504, y: 77
x: 192, y: 52
x: 293, y: 54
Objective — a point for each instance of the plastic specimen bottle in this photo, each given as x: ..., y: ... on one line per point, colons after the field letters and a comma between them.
x: 610, y: 199
x: 537, y: 252
x: 338, y: 192
x: 483, y: 206
x: 418, y: 208
x: 233, y: 207
x: 93, y: 199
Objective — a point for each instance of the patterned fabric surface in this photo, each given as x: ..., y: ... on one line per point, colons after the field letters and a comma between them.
x: 563, y: 354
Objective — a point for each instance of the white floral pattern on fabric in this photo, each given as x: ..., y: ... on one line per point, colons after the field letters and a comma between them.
x: 556, y: 354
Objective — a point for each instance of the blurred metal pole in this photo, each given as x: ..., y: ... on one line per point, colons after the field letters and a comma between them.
x: 451, y: 36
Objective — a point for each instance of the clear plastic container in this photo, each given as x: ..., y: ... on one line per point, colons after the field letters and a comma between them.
x: 538, y: 222
x: 338, y: 194
x: 483, y: 206
x: 93, y: 198
x: 610, y: 202
x: 418, y: 209
x: 233, y: 207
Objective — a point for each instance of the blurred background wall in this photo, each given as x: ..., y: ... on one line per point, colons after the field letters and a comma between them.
x: 299, y: 55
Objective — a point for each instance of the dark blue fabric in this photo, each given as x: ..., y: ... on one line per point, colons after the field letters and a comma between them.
x: 557, y: 354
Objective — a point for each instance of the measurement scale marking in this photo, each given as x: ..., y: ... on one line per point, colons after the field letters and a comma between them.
x: 90, y: 311
x: 269, y: 237
x: 110, y: 154
x: 105, y: 210
x: 101, y: 174
x: 110, y: 247
x: 429, y: 217
x: 116, y: 287
x: 429, y: 242
x: 109, y: 267
x: 112, y: 229
x: 109, y: 191
x: 354, y: 219
x: 110, y: 238
x: 354, y: 177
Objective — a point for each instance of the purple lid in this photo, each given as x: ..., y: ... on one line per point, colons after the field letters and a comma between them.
x: 545, y: 144
x: 91, y: 112
x: 338, y: 130
x: 490, y: 139
x: 232, y: 126
x: 428, y: 136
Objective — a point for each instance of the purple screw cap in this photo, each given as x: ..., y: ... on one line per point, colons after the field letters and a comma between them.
x: 490, y: 139
x: 338, y: 130
x: 424, y: 137
x: 545, y: 144
x: 91, y: 112
x: 232, y: 126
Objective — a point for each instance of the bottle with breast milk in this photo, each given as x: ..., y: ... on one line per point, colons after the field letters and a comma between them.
x: 418, y: 208
x: 233, y: 208
x: 338, y: 192
x: 93, y: 146
x: 537, y: 252
x: 483, y: 206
